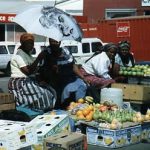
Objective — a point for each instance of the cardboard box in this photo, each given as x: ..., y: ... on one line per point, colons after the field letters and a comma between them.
x: 134, y: 92
x: 145, y: 131
x: 47, y: 125
x: 145, y: 81
x: 126, y: 105
x: 66, y: 141
x: 133, y: 80
x: 113, y: 138
x: 15, y: 135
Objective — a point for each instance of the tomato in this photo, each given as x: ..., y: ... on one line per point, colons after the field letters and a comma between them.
x: 103, y: 108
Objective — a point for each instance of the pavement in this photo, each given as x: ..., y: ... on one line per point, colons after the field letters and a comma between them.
x: 140, y: 146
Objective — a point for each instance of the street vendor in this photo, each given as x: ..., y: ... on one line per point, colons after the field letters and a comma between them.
x: 27, y: 92
x: 97, y: 69
x: 124, y: 57
x: 59, y: 69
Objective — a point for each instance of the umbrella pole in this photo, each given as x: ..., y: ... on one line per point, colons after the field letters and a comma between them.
x: 55, y: 3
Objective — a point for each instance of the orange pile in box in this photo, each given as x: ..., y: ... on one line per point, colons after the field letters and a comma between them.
x: 86, y: 113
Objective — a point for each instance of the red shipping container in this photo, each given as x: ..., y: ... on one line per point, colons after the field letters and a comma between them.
x: 135, y: 29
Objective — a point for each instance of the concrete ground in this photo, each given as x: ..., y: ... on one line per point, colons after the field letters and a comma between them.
x: 140, y: 146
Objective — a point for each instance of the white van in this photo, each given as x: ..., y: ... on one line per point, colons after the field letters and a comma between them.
x: 80, y: 50
x: 7, y: 49
x: 84, y: 49
x: 6, y: 52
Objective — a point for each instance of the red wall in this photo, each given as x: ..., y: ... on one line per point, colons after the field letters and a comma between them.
x: 95, y: 9
x: 139, y: 34
x: 81, y: 19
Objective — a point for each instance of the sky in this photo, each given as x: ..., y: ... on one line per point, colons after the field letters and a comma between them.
x: 15, y: 6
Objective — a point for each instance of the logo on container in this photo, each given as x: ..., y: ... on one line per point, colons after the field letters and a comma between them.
x: 123, y: 29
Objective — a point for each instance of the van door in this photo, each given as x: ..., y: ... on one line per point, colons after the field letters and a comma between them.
x: 88, y: 49
x: 86, y: 52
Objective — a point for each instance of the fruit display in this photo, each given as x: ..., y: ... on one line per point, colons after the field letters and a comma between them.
x: 137, y: 70
x: 107, y: 114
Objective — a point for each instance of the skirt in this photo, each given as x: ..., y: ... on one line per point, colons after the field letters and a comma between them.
x: 95, y: 81
x: 28, y: 92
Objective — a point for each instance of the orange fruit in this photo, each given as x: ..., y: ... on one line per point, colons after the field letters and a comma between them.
x: 79, y: 112
x: 81, y: 117
x: 81, y: 100
x: 91, y: 107
x: 86, y: 111
x: 91, y: 113
x: 89, y: 117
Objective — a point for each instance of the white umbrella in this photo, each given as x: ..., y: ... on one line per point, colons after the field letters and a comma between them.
x: 49, y: 22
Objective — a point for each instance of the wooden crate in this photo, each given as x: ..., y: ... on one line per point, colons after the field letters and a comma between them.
x: 7, y: 102
x: 6, y: 98
x: 10, y: 106
x: 134, y: 92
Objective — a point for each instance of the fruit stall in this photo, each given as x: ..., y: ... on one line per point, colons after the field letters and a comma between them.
x: 112, y: 122
x: 109, y: 125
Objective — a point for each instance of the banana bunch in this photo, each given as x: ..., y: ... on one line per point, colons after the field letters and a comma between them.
x: 89, y: 99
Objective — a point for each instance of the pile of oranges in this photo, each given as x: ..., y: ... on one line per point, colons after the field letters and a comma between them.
x: 86, y: 113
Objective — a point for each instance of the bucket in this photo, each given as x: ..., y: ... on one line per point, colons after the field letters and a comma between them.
x: 112, y: 94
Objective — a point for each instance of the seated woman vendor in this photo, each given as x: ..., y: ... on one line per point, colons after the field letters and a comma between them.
x: 27, y: 92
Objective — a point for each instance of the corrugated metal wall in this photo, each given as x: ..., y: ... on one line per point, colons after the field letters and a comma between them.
x: 139, y: 36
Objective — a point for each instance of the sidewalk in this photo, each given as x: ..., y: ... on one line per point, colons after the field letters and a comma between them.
x: 140, y: 146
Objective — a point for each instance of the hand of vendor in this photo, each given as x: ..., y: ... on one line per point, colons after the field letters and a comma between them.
x: 86, y: 81
x: 42, y: 55
x: 120, y: 79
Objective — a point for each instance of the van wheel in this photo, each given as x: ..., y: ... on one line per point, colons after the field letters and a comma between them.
x: 8, y: 70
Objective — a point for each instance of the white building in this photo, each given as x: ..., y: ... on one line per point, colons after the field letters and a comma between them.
x: 73, y: 7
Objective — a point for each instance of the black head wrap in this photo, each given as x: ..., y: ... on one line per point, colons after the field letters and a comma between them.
x: 109, y: 46
x: 124, y: 45
x: 128, y: 57
x: 104, y: 48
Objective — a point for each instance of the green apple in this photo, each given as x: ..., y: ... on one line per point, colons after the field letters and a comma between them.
x: 134, y: 73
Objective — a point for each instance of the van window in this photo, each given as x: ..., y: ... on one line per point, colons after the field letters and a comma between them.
x: 72, y: 49
x: 96, y: 46
x: 3, y: 50
x: 43, y: 48
x: 11, y: 48
x: 33, y: 51
x: 85, y: 47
